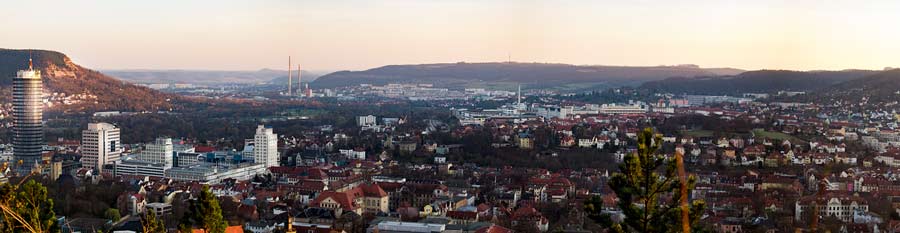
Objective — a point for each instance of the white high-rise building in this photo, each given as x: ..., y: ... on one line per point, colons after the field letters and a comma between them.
x: 100, y: 145
x: 160, y: 151
x: 366, y: 120
x: 265, y: 147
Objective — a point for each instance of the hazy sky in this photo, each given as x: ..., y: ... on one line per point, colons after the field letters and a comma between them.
x: 334, y: 34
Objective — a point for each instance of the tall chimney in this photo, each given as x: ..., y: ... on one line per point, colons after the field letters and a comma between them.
x: 299, y: 79
x: 519, y: 95
x: 290, y: 78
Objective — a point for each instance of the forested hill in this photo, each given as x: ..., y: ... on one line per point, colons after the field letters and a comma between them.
x: 542, y: 75
x: 88, y: 89
x: 876, y: 90
x: 762, y: 81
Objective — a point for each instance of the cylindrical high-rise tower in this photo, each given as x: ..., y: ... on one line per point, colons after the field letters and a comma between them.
x: 28, y: 132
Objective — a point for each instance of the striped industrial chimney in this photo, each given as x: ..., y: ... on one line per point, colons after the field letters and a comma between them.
x: 299, y: 78
x: 290, y: 78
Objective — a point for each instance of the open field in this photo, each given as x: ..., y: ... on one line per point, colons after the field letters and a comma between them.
x: 774, y: 135
x: 697, y: 133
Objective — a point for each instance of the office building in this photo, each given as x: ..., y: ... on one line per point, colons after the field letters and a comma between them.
x: 265, y: 147
x: 623, y: 109
x: 210, y: 173
x: 28, y: 132
x: 366, y: 120
x: 186, y: 159
x: 132, y: 166
x: 160, y: 209
x: 161, y: 151
x: 100, y: 145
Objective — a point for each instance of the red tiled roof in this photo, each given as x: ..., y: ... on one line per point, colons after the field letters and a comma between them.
x: 204, y: 149
x: 231, y: 229
x: 341, y: 198
x: 368, y: 190
x: 483, y: 207
x: 525, y: 212
x: 494, y: 229
x: 311, y: 185
x: 466, y: 215
x: 345, y: 199
x: 389, y: 186
x: 313, y: 228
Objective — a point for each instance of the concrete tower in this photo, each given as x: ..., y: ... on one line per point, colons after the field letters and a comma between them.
x: 28, y: 131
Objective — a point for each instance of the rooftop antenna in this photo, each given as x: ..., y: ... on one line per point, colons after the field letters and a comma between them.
x: 290, y: 78
x: 508, y: 57
x: 30, y: 65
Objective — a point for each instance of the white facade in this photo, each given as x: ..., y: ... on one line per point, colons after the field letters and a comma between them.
x: 889, y: 160
x: 212, y: 173
x: 550, y: 112
x: 587, y: 142
x: 366, y: 120
x: 159, y: 208
x: 395, y: 226
x: 842, y: 208
x: 265, y: 147
x: 160, y: 151
x: 100, y: 145
x: 259, y: 228
x: 623, y: 109
x: 134, y: 167
x: 353, y: 154
x: 186, y: 159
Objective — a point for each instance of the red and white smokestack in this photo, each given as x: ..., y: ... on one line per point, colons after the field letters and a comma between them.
x: 308, y: 91
x: 290, y: 78
x: 299, y: 78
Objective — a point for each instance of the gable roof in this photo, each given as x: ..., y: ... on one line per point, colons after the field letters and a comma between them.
x: 346, y: 198
x: 230, y: 229
x: 340, y: 197
x: 494, y: 229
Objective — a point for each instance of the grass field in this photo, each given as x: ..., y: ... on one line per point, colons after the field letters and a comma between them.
x: 302, y: 112
x: 697, y: 133
x: 775, y: 135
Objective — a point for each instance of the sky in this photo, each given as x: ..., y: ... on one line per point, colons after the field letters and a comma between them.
x: 356, y: 35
